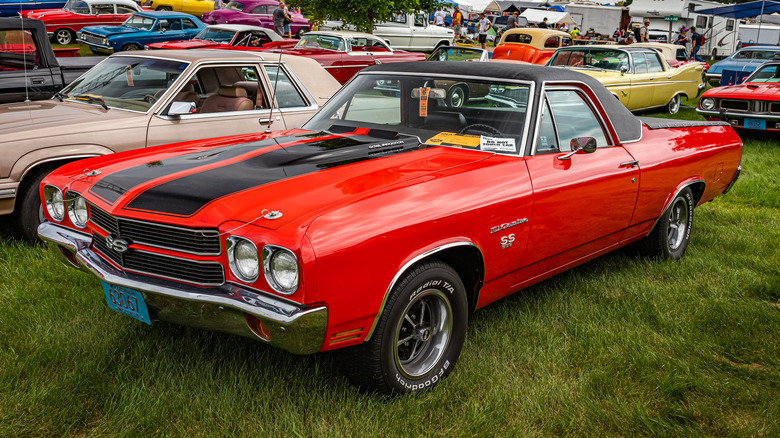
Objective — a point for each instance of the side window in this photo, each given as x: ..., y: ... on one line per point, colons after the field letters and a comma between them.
x: 640, y: 63
x: 398, y: 18
x: 548, y: 139
x: 102, y: 9
x: 287, y: 95
x: 260, y: 9
x: 551, y: 42
x: 188, y: 24
x: 729, y: 25
x: 225, y: 89
x: 520, y: 38
x: 572, y: 107
x: 18, y: 51
x: 653, y: 63
x: 175, y: 24
x: 701, y: 22
x: 566, y: 42
x: 124, y: 9
x: 745, y: 54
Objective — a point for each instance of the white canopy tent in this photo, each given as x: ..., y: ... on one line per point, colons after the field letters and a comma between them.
x: 537, y: 15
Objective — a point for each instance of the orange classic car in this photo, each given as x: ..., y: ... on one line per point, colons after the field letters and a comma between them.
x: 530, y: 45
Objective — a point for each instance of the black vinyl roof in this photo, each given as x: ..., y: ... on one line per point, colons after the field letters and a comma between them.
x: 627, y: 126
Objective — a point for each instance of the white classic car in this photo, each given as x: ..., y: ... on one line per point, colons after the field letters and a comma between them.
x: 405, y: 32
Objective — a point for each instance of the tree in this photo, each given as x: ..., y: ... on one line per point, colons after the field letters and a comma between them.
x: 363, y: 14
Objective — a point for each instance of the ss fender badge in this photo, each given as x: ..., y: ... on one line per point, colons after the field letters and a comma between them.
x: 504, y: 226
x: 507, y: 241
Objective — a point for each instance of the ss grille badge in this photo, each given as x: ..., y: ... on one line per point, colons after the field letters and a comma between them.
x: 117, y: 244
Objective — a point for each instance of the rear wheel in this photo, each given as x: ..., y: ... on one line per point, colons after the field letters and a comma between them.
x: 418, y: 337
x: 301, y: 32
x: 457, y: 95
x: 674, y: 105
x: 64, y: 36
x: 131, y: 46
x: 670, y: 237
x: 164, y: 8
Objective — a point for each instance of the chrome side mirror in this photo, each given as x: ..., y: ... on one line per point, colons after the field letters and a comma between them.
x: 181, y: 108
x: 586, y: 145
x: 623, y: 70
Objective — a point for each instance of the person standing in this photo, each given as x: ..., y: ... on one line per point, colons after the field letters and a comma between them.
x: 218, y: 4
x: 511, y: 21
x: 682, y: 38
x: 457, y: 22
x: 696, y: 42
x: 287, y: 20
x: 278, y: 16
x: 438, y: 17
x: 644, y: 31
x: 484, y: 25
x: 616, y: 34
x: 544, y: 24
x: 575, y: 33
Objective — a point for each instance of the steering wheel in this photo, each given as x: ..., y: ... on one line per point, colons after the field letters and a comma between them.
x: 150, y: 98
x: 481, y: 128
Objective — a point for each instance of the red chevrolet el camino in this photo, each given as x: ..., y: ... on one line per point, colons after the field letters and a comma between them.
x: 379, y: 227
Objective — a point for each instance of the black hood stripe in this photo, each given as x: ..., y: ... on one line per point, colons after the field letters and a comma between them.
x: 185, y: 196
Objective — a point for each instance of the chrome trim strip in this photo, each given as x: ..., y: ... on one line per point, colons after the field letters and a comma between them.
x: 403, y: 269
x: 7, y: 193
x: 48, y: 160
x: 672, y: 200
x: 294, y: 327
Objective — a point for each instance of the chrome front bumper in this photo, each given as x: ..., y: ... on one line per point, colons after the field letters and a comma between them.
x: 294, y: 328
x: 735, y: 118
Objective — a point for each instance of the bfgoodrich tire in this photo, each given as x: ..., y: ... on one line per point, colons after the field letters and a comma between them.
x: 418, y: 337
x: 672, y: 233
x: 28, y: 213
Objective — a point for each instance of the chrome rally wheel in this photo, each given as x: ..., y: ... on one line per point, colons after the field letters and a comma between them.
x: 423, y: 333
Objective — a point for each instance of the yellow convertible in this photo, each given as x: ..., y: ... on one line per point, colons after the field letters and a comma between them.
x: 638, y: 76
x: 192, y: 7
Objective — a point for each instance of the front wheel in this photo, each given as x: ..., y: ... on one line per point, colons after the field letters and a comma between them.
x: 28, y: 213
x: 418, y: 337
x: 131, y: 46
x: 64, y: 36
x: 301, y: 32
x: 674, y: 105
x: 670, y: 237
x: 457, y: 96
x: 164, y: 8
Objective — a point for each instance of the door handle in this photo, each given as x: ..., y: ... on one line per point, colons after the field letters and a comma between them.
x: 630, y: 164
x: 36, y: 81
x: 265, y: 121
x: 652, y: 79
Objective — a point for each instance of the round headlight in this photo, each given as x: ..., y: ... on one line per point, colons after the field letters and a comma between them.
x: 281, y: 269
x: 77, y: 210
x: 52, y: 198
x: 243, y: 260
x: 707, y: 103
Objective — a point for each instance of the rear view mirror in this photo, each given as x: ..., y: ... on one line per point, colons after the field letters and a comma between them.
x: 434, y: 93
x: 585, y: 145
x: 181, y: 108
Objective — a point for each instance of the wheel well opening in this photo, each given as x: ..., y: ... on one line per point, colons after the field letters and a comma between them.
x: 467, y: 261
x: 697, y: 189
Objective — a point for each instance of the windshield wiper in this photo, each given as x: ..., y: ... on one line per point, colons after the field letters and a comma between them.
x: 92, y: 99
x: 59, y: 95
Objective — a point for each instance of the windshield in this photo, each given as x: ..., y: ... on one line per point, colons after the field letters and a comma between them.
x: 130, y: 83
x: 216, y: 35
x: 314, y: 41
x: 605, y: 59
x: 455, y: 54
x: 139, y: 22
x: 77, y: 6
x: 236, y: 6
x: 480, y: 114
x: 767, y: 73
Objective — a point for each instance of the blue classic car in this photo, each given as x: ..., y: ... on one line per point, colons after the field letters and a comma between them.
x: 141, y: 29
x: 743, y: 60
x: 11, y: 8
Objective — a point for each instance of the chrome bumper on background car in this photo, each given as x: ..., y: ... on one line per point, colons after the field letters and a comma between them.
x: 735, y: 118
x: 226, y: 308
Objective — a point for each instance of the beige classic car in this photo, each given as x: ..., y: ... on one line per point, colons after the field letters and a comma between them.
x: 638, y: 76
x: 134, y: 100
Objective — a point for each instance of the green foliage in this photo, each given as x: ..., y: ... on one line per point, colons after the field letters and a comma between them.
x: 363, y: 15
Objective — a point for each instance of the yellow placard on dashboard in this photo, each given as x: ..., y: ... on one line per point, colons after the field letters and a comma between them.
x: 453, y: 139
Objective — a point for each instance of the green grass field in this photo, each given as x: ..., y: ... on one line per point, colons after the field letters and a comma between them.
x: 620, y: 346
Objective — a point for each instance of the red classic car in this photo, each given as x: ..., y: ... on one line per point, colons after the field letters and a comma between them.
x: 62, y: 24
x: 229, y: 36
x: 751, y: 105
x: 344, y: 53
x: 391, y: 216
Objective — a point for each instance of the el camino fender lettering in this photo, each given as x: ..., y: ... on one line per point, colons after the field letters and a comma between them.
x: 400, y: 272
x: 672, y: 198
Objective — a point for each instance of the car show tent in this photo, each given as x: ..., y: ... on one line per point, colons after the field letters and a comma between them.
x: 537, y: 15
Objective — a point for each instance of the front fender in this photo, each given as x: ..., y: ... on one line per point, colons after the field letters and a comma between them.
x: 58, y: 153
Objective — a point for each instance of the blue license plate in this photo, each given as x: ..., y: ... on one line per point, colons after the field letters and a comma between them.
x: 126, y: 301
x: 749, y: 123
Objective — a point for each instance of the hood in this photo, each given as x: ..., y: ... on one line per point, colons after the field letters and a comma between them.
x: 296, y: 174
x: 748, y: 90
x: 111, y: 30
x: 736, y: 64
x: 51, y: 14
x: 189, y: 44
x: 50, y: 118
x: 606, y: 77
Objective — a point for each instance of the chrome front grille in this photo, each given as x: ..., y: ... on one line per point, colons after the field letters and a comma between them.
x: 198, y: 241
x: 88, y: 37
x: 173, y: 268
